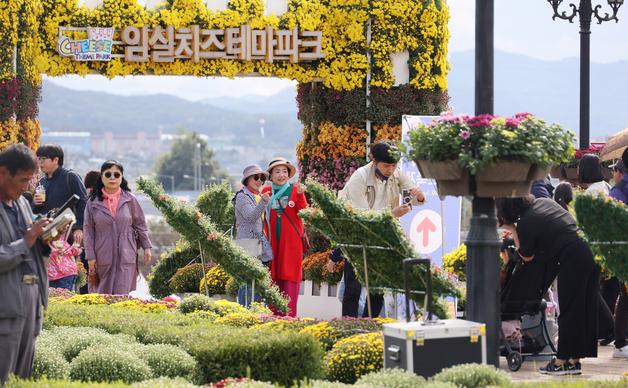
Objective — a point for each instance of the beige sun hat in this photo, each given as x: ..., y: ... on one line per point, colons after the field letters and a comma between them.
x: 250, y: 170
x: 279, y: 161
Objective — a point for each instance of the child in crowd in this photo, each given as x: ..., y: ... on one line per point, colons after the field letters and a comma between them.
x: 62, y: 270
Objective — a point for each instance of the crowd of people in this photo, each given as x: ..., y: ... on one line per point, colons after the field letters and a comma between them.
x: 110, y: 228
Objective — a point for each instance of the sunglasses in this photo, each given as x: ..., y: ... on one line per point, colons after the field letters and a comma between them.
x: 116, y: 175
x: 259, y: 177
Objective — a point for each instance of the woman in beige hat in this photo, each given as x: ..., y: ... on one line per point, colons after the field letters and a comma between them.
x: 249, y: 206
x: 285, y: 229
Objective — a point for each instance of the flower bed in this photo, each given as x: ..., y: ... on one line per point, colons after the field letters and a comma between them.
x: 315, y: 269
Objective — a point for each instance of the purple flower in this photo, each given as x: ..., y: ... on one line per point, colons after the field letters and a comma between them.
x: 465, y: 134
x: 522, y: 115
x: 513, y: 122
x: 479, y: 121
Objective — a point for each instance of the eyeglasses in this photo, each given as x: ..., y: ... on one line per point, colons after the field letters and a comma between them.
x: 116, y: 175
x: 259, y: 177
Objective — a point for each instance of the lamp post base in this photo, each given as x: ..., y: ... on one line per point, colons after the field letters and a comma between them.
x: 483, y: 267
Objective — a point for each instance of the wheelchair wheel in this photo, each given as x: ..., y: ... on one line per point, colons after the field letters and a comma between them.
x: 514, y: 361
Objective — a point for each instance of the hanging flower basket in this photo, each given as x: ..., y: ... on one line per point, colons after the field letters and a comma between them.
x: 505, y: 179
x: 451, y: 179
x: 503, y: 155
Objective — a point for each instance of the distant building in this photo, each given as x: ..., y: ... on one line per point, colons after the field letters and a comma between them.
x: 73, y: 143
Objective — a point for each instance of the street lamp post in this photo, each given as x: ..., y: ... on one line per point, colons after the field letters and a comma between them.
x: 587, y: 12
x: 482, y: 242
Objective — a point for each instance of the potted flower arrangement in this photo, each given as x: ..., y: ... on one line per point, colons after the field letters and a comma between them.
x: 502, y: 155
x: 569, y: 170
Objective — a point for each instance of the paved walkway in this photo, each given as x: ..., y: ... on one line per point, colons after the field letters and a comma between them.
x: 604, y: 367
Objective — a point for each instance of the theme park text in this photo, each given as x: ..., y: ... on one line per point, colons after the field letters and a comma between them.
x: 165, y: 44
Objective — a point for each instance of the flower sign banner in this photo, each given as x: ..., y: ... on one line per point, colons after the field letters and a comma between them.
x: 97, y: 46
x: 165, y: 44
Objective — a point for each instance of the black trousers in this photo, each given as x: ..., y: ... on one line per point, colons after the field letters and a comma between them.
x: 621, y: 318
x: 578, y: 298
x: 351, y: 298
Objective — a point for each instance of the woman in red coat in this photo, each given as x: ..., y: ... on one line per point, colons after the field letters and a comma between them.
x: 284, y: 229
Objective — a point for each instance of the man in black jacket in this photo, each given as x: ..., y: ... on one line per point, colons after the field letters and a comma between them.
x: 23, y: 274
x: 59, y: 184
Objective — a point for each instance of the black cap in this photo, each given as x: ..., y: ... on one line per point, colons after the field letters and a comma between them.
x: 385, y: 152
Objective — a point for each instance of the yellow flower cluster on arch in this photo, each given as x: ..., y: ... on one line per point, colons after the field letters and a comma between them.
x: 416, y: 25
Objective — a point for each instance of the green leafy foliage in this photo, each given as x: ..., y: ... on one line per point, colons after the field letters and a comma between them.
x: 342, y: 225
x: 159, y: 280
x: 195, y: 303
x: 215, y: 202
x: 176, y: 162
x: 109, y: 364
x: 200, y: 230
x: 220, y: 351
x: 186, y: 279
x: 168, y: 360
x: 603, y: 220
x: 390, y: 378
x: 50, y: 363
x: 473, y: 376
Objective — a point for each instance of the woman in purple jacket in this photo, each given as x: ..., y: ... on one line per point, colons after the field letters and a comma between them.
x: 113, y: 228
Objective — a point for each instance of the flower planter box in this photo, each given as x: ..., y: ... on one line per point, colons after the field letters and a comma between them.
x: 506, y: 179
x: 571, y: 173
x: 451, y: 179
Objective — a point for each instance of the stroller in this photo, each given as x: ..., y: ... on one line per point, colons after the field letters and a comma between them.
x: 525, y: 285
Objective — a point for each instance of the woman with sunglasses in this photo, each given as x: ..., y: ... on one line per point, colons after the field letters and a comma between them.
x: 249, y: 206
x: 114, y: 227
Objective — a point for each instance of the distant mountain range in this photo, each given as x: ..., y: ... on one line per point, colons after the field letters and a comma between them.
x: 548, y: 89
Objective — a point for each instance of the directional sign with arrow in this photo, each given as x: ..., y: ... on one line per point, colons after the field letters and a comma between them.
x: 426, y: 232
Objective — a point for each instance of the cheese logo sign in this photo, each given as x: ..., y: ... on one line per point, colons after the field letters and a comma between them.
x: 97, y: 46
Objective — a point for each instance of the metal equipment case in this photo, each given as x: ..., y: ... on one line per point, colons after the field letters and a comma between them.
x: 427, y: 348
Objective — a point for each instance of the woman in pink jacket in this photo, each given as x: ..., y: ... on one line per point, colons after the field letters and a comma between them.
x: 114, y: 228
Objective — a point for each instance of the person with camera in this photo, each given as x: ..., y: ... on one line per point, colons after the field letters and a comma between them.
x: 543, y: 230
x: 23, y: 274
x: 375, y: 186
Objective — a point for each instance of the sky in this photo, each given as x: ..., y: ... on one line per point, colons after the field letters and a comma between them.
x: 521, y: 27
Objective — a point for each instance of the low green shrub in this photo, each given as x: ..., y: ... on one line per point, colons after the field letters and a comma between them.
x: 186, y: 279
x: 355, y: 356
x: 72, y: 340
x: 109, y: 364
x: 168, y: 264
x: 168, y: 361
x: 14, y: 382
x: 473, y: 375
x: 220, y: 351
x: 195, y: 303
x: 49, y: 363
x: 164, y: 382
x: 440, y: 384
x: 390, y: 378
x: 320, y: 384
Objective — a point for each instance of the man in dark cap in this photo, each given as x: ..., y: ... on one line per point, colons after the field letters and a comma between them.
x: 376, y: 186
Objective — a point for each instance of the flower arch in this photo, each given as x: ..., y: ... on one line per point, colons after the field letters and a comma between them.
x: 382, y: 59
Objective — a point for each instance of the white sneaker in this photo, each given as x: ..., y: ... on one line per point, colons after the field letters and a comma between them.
x: 621, y: 352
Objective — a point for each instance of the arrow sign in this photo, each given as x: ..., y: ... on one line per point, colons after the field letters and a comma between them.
x: 426, y: 227
x: 426, y: 231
